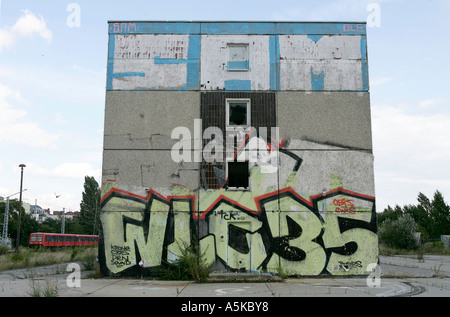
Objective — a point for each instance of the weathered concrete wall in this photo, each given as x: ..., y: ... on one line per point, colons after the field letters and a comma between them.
x: 335, y: 118
x: 146, y: 119
x: 310, y: 205
x: 215, y: 74
x: 279, y: 56
x: 332, y: 62
x: 304, y: 220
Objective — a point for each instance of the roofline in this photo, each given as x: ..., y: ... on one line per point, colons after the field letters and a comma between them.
x: 237, y: 27
x: 231, y: 21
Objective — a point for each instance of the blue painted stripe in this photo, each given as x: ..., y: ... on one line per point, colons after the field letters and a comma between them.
x: 365, y: 76
x: 363, y: 48
x: 237, y: 28
x: 318, y: 28
x: 259, y: 28
x: 128, y: 74
x: 274, y: 52
x: 364, y: 64
x: 129, y: 27
x: 193, y: 67
x: 315, y: 38
x: 238, y: 85
x: 110, y: 69
x: 317, y: 81
x: 241, y: 65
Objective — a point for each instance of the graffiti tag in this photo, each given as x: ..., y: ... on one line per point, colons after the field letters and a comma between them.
x: 120, y: 255
x: 344, y: 205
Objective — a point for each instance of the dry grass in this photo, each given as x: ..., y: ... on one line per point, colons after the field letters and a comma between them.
x: 28, y: 258
x: 428, y: 248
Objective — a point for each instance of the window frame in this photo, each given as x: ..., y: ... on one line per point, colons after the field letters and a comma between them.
x: 231, y: 65
x: 229, y: 101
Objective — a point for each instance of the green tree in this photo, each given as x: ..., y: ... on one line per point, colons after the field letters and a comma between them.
x: 51, y: 225
x: 439, y: 216
x: 432, y: 217
x: 421, y: 218
x: 73, y: 226
x: 90, y: 206
x: 390, y: 214
x: 424, y: 209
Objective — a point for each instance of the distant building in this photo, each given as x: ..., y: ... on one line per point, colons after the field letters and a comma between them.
x: 36, y: 209
x: 67, y: 214
x: 39, y: 214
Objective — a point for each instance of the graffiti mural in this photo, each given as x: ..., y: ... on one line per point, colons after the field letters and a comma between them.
x: 267, y: 229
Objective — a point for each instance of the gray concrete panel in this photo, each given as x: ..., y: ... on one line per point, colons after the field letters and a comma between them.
x: 327, y: 169
x: 149, y: 169
x: 146, y: 119
x: 333, y: 118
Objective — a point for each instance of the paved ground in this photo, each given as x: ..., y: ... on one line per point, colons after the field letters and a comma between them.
x: 401, y: 276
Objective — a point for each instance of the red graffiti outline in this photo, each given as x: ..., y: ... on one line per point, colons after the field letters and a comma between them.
x: 308, y: 202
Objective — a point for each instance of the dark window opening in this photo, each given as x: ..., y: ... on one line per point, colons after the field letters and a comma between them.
x: 238, y: 114
x: 238, y: 174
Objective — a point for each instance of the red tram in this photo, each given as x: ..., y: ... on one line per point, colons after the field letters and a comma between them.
x: 61, y: 240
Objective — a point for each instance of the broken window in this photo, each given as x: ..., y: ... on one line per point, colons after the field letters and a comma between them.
x: 238, y: 175
x: 238, y: 113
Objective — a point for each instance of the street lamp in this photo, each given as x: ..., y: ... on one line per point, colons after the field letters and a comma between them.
x: 20, y: 207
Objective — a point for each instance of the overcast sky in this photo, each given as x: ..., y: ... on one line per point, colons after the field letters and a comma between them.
x: 53, y: 57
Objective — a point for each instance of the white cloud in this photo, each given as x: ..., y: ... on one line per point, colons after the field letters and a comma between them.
x: 412, y: 151
x: 419, y: 137
x: 66, y: 200
x: 380, y: 81
x: 14, y: 126
x: 396, y: 189
x: 75, y: 170
x: 324, y: 11
x: 27, y: 25
x: 427, y: 103
x: 80, y: 69
x: 337, y: 10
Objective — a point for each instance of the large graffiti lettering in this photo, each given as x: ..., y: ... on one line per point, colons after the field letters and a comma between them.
x: 263, y: 230
x: 303, y: 241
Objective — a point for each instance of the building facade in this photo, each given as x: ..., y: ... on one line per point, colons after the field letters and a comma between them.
x: 251, y: 140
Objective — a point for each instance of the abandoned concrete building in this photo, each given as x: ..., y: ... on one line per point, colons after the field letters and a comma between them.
x: 251, y: 140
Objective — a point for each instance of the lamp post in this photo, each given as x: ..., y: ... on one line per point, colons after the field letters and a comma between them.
x: 20, y: 208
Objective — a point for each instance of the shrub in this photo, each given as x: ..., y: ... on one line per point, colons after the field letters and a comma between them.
x: 399, y: 233
x: 191, y: 264
x: 3, y: 249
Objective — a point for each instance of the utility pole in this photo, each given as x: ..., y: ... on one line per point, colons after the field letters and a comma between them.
x: 63, y: 221
x: 6, y: 220
x: 20, y: 208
